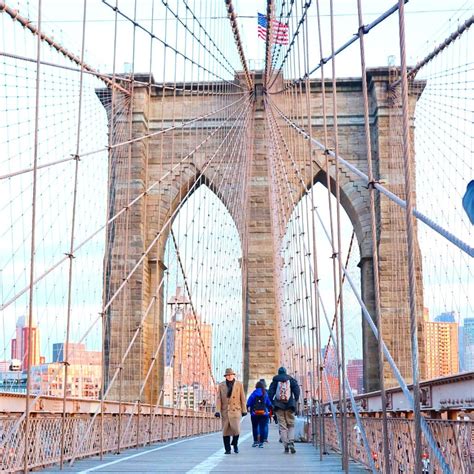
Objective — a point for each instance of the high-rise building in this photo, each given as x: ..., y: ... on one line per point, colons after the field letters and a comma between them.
x: 461, y: 349
x: 188, y: 345
x: 468, y: 339
x: 355, y: 375
x: 19, y: 345
x: 330, y: 388
x: 441, y: 346
x: 330, y: 379
x: 329, y: 358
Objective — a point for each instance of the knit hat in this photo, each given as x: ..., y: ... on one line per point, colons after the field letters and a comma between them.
x: 281, y: 371
x: 229, y: 372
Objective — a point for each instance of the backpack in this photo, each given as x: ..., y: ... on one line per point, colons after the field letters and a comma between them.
x: 259, y: 407
x: 283, y: 391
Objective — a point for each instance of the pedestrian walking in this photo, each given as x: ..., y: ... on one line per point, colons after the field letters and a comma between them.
x: 230, y: 405
x: 259, y: 406
x: 270, y: 415
x: 284, y: 393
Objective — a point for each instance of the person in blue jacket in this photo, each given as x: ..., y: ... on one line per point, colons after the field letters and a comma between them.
x: 259, y: 406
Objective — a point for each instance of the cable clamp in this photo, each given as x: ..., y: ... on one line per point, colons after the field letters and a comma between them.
x: 66, y: 363
x: 334, y: 255
x: 69, y: 255
x: 371, y: 184
x: 75, y: 157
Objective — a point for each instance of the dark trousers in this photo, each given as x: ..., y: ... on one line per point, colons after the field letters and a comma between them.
x: 227, y: 443
x: 259, y: 425
x: 265, y: 431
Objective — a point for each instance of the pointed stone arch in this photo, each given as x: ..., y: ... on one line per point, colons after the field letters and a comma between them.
x: 261, y: 318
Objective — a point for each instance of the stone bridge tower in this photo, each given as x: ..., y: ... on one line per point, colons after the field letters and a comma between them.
x: 152, y: 113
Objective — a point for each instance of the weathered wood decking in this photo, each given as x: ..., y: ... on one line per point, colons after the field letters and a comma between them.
x: 206, y: 454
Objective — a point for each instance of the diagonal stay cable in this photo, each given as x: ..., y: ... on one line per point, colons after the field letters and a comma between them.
x: 352, y: 40
x: 118, y: 214
x: 126, y: 142
x: 149, y: 248
x: 238, y: 41
x: 159, y: 234
x: 26, y: 23
x: 153, y: 242
x: 185, y: 25
x: 276, y: 52
x: 393, y: 197
x: 167, y: 45
x: 441, y: 47
x: 336, y: 344
x: 408, y: 395
x: 235, y: 151
x: 293, y: 40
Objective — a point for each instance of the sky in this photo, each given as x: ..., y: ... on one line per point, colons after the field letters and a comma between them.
x: 427, y: 24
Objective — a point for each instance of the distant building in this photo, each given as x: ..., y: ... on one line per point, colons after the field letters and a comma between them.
x: 355, y: 375
x: 462, y: 367
x: 330, y: 388
x: 168, y: 387
x: 329, y: 359
x: 78, y: 354
x: 19, y: 345
x: 188, y: 353
x: 441, y: 346
x: 448, y: 317
x: 83, y: 381
x: 468, y: 339
x: 330, y: 382
x: 13, y: 381
x: 189, y: 347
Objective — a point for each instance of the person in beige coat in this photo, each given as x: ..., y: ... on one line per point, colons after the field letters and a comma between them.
x: 231, y: 406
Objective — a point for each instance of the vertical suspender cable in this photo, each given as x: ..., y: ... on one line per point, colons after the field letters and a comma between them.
x: 147, y: 161
x: 375, y: 256
x: 71, y: 247
x: 108, y: 237
x: 268, y: 43
x: 125, y: 300
x: 342, y: 361
x: 410, y: 237
x: 32, y: 248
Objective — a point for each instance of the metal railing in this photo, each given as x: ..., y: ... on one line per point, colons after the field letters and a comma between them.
x: 136, y: 430
x: 454, y: 438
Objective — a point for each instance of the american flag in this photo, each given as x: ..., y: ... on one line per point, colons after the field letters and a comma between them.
x: 279, y: 30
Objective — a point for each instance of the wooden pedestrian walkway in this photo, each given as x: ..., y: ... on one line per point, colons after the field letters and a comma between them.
x: 203, y: 454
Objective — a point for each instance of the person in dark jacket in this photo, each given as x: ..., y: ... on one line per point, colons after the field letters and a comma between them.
x: 284, y: 393
x: 259, y: 406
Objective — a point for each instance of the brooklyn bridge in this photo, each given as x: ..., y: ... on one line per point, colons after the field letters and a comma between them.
x: 189, y: 186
